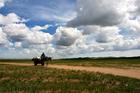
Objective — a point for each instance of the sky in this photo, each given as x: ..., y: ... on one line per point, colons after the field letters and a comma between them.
x: 69, y: 28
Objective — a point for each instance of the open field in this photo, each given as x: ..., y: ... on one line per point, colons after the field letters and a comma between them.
x: 16, y: 60
x: 103, y: 62
x: 131, y: 73
x: 133, y: 62
x: 23, y: 79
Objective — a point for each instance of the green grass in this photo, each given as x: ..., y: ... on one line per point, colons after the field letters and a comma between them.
x: 15, y: 79
x: 103, y: 62
x: 16, y: 60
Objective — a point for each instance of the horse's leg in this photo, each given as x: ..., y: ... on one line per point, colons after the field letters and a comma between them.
x: 35, y: 63
x: 42, y: 63
x: 46, y: 63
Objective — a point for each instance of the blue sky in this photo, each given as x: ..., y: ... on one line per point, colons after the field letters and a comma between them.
x: 69, y: 28
x: 41, y: 12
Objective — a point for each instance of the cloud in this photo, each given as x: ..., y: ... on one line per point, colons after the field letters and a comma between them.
x: 15, y: 36
x: 1, y: 3
x: 86, y: 30
x: 100, y: 12
x: 17, y: 31
x: 102, y: 34
x: 101, y: 26
x: 108, y: 34
x: 111, y: 38
x: 137, y: 4
x: 38, y: 10
x: 38, y: 28
x: 66, y: 36
x: 10, y: 18
x: 3, y: 38
x: 69, y: 41
x: 21, y: 33
x: 38, y: 37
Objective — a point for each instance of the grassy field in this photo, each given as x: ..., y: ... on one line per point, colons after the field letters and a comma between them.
x: 16, y: 60
x: 103, y: 62
x: 15, y: 79
x: 133, y: 62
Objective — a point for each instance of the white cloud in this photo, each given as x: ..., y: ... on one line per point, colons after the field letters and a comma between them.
x: 132, y: 26
x: 103, y: 26
x: 66, y: 36
x: 102, y: 34
x: 108, y: 34
x: 99, y: 39
x: 16, y: 31
x: 15, y: 36
x: 38, y: 28
x: 38, y: 37
x: 100, y: 12
x: 1, y: 3
x: 10, y: 18
x: 3, y: 38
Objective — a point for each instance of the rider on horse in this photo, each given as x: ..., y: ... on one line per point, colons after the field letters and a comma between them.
x: 41, y: 60
x: 43, y: 55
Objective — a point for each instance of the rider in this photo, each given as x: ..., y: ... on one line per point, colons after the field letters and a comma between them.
x: 42, y: 55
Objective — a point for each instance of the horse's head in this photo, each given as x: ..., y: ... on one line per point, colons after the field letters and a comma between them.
x: 49, y: 59
x: 33, y: 59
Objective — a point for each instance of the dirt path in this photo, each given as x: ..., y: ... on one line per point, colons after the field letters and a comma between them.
x: 133, y: 73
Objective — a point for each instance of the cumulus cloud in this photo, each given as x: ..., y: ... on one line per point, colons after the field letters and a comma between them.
x: 16, y: 36
x: 3, y: 38
x: 16, y: 31
x: 66, y: 36
x: 39, y: 37
x: 110, y: 38
x: 10, y: 18
x: 86, y: 30
x: 132, y: 27
x: 102, y: 34
x: 108, y: 34
x: 100, y: 12
x: 101, y: 25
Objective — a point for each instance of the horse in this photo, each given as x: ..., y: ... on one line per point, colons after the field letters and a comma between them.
x: 41, y: 61
x: 48, y: 59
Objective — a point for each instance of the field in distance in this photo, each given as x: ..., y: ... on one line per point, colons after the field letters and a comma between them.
x: 21, y: 79
x: 133, y: 62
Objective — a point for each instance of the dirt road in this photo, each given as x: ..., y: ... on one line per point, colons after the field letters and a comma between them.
x: 133, y: 73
